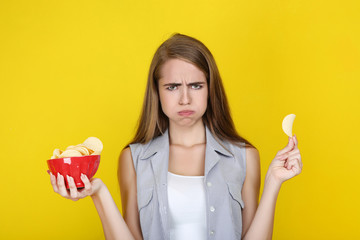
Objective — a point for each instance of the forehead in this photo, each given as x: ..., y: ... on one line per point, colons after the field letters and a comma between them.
x: 177, y: 69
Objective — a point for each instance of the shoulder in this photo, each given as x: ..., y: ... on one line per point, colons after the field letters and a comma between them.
x: 252, y: 154
x: 125, y: 154
x: 130, y: 154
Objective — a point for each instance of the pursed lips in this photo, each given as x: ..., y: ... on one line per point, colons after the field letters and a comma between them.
x: 185, y: 112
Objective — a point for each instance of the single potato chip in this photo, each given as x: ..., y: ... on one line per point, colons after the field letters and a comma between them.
x: 83, y: 150
x: 70, y: 153
x: 57, y: 152
x: 287, y: 124
x: 81, y: 146
x: 94, y: 144
x: 70, y: 147
x: 80, y: 149
x: 90, y: 150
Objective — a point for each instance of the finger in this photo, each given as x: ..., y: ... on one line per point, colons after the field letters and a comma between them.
x: 294, y: 165
x: 283, y: 156
x: 297, y: 167
x: 290, y: 164
x: 53, y: 183
x: 298, y: 156
x: 73, y: 189
x: 78, y: 195
x: 295, y: 152
x: 61, y: 185
x: 288, y: 147
x: 295, y: 156
x: 296, y: 141
x: 87, y: 184
x: 288, y: 154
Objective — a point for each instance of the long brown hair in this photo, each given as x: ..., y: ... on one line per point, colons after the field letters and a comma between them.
x: 153, y: 122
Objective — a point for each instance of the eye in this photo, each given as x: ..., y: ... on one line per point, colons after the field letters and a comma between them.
x: 196, y: 86
x: 171, y: 88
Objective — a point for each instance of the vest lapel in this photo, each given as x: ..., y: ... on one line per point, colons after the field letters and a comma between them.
x: 213, y: 149
x: 211, y: 159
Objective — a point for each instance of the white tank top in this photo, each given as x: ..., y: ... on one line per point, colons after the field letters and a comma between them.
x: 187, y: 207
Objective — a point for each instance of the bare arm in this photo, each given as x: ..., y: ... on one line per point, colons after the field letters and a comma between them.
x: 128, y: 189
x: 114, y: 225
x: 251, y: 188
x: 262, y: 222
x: 259, y: 222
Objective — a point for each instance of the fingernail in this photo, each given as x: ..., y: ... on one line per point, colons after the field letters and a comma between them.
x: 58, y: 175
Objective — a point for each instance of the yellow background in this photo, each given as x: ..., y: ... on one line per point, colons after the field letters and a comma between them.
x: 74, y: 69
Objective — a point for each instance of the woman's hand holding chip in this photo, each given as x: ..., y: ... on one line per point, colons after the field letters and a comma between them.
x: 286, y: 164
x: 91, y: 187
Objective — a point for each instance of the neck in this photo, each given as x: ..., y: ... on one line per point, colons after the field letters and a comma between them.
x: 187, y: 136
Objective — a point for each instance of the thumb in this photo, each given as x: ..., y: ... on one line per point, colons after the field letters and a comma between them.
x: 288, y: 147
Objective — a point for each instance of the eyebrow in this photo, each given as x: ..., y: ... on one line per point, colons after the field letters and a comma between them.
x: 178, y: 84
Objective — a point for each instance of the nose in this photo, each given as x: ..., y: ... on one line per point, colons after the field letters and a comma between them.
x: 184, y: 97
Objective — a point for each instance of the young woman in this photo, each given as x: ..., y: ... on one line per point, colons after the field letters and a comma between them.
x: 187, y: 174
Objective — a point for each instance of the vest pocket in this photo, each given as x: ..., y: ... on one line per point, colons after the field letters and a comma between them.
x: 236, y: 206
x: 235, y: 193
x: 144, y: 197
x: 145, y: 207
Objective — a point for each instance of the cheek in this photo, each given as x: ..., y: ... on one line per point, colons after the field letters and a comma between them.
x: 165, y: 101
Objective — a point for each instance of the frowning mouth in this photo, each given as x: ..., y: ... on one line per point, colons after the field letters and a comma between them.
x: 185, y: 113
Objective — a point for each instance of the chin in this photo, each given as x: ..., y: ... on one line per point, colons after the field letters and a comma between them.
x: 186, y: 122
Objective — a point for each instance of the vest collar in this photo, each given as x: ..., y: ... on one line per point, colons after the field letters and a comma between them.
x: 161, y: 143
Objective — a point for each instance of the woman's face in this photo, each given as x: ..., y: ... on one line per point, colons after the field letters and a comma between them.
x: 183, y: 92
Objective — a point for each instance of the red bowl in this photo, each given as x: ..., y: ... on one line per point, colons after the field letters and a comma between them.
x: 74, y: 166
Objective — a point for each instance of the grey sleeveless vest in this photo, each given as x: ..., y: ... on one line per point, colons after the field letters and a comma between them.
x: 225, y: 169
